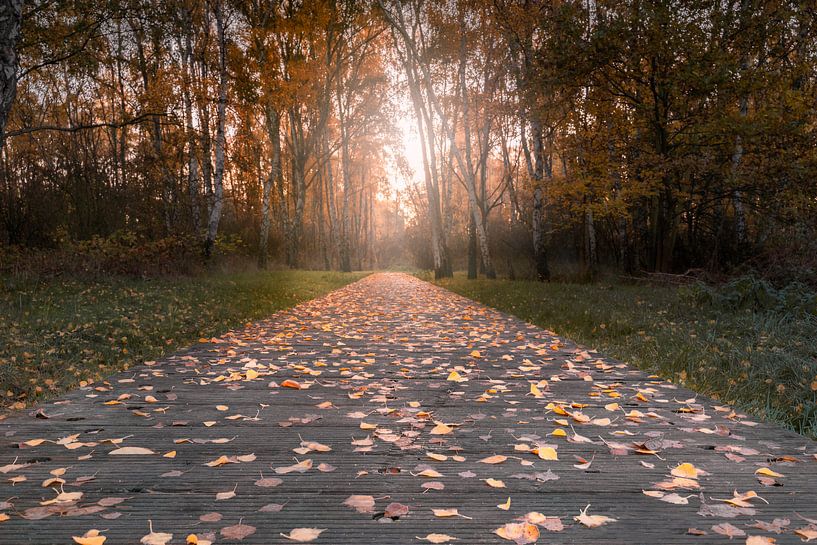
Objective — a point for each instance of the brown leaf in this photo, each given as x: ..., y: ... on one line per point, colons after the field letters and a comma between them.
x: 268, y: 482
x: 395, y: 509
x: 238, y: 532
x: 728, y: 530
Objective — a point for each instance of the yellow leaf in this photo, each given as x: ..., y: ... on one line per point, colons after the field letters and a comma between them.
x: 535, y: 391
x: 91, y: 537
x: 546, y: 453
x: 559, y: 432
x: 171, y: 454
x: 455, y: 377
x: 505, y: 506
x: 768, y: 472
x: 441, y: 429
x: 686, y: 470
x: 521, y: 533
x: 741, y: 500
x: 494, y: 483
x: 496, y: 459
x: 220, y: 461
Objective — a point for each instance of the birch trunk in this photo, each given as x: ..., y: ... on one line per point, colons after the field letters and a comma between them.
x: 439, y: 251
x: 538, y: 220
x: 192, y: 158
x: 220, y: 144
x: 466, y: 165
x: 346, y: 225
x: 11, y: 12
x: 273, y: 123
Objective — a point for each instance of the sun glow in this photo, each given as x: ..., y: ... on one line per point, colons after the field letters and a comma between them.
x: 407, y: 162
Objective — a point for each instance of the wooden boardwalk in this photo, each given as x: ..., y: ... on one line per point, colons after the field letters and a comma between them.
x: 427, y: 401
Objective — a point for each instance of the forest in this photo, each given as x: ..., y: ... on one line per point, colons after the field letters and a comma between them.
x: 531, y: 139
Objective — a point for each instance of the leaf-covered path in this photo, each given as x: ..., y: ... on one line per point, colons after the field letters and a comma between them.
x: 390, y: 412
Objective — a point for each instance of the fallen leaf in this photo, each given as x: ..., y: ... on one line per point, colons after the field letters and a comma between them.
x: 807, y: 533
x: 362, y: 504
x: 228, y: 494
x: 268, y: 482
x: 728, y: 530
x: 445, y: 513
x: 520, y: 533
x: 441, y: 429
x: 760, y: 540
x: 300, y: 467
x: 395, y: 509
x: 497, y: 459
x: 304, y: 535
x: 131, y: 451
x: 687, y: 470
x: 155, y: 538
x: 547, y: 453
x: 238, y: 532
x: 91, y: 537
x: 437, y: 538
x: 592, y: 521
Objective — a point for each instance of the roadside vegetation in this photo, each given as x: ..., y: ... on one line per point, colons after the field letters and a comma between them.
x: 745, y: 343
x: 59, y: 332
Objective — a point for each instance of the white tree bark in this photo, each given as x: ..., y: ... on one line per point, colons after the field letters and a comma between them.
x: 220, y: 144
x: 11, y: 12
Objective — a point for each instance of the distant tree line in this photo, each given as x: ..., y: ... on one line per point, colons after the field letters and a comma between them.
x: 653, y: 136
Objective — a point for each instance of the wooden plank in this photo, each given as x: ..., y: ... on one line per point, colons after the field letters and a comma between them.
x: 380, y: 352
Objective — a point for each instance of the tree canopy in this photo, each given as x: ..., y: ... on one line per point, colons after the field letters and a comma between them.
x: 548, y: 137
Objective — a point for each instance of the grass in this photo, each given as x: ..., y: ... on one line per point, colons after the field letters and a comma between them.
x: 763, y: 361
x: 60, y: 333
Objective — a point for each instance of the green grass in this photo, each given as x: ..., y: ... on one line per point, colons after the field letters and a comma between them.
x: 762, y: 361
x: 59, y: 333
